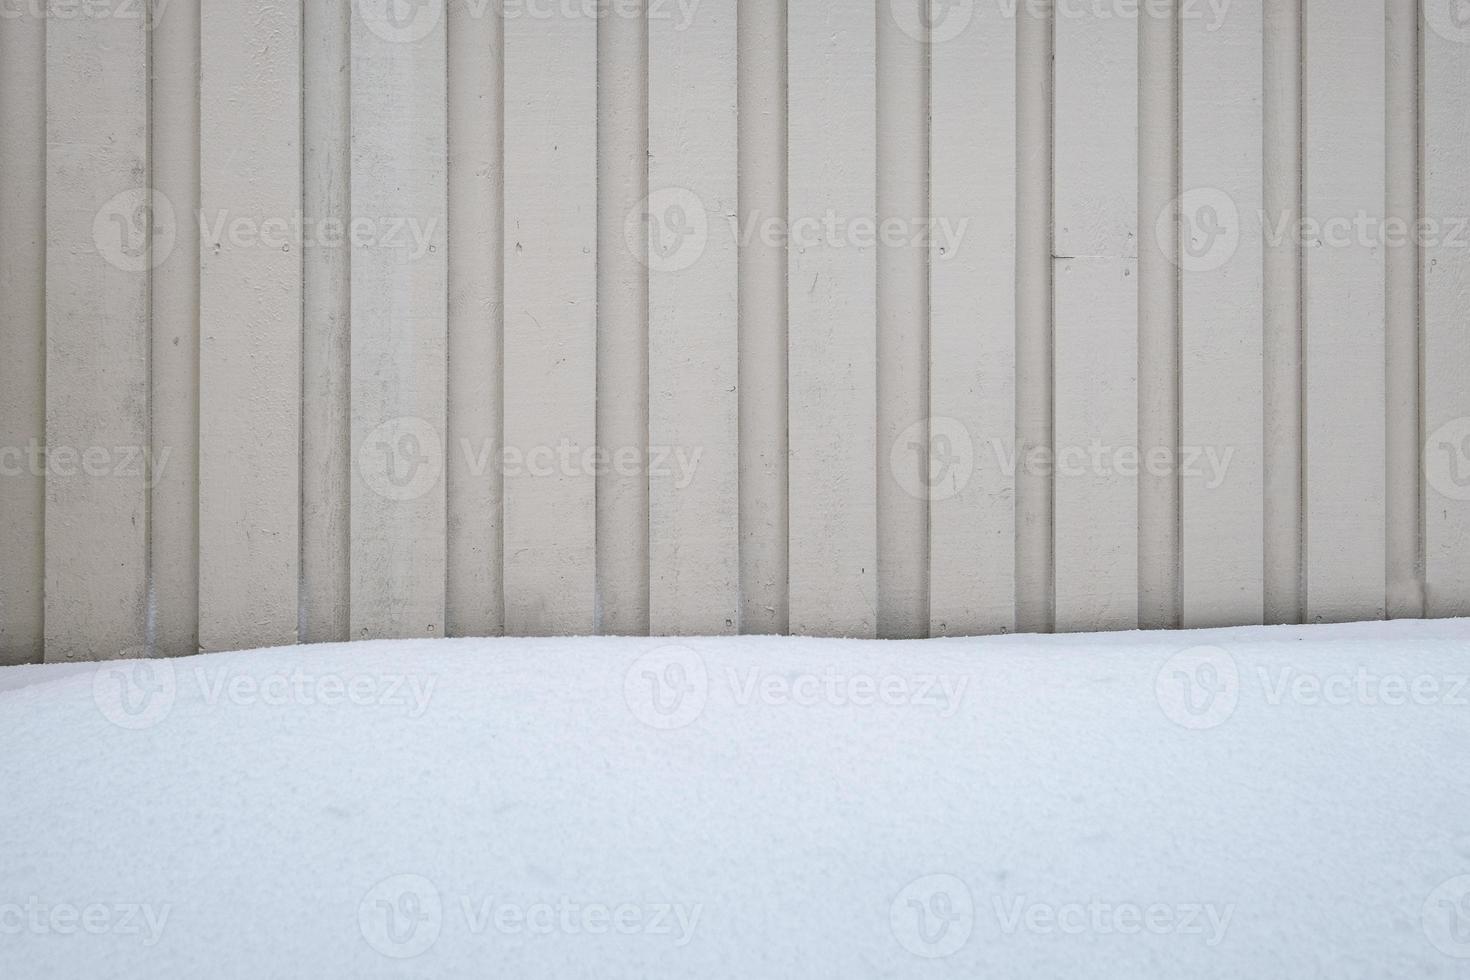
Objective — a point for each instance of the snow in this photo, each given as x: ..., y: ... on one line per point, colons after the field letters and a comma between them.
x: 1234, y: 803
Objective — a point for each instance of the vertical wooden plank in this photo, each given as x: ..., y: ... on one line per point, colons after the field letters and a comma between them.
x: 693, y: 350
x: 399, y: 318
x: 326, y: 406
x: 763, y: 345
x: 833, y: 313
x: 903, y: 37
x: 1158, y: 315
x: 1035, y: 331
x: 105, y: 230
x: 250, y: 325
x: 1096, y: 296
x: 1404, y: 444
x: 23, y: 337
x: 1283, y: 375
x: 550, y: 322
x: 1221, y: 260
x: 622, y: 319
x: 174, y: 527
x: 1446, y: 270
x: 1344, y: 290
x: 966, y: 465
x: 475, y: 600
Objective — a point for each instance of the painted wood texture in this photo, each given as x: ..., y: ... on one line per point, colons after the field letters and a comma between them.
x: 1221, y: 259
x: 399, y: 319
x: 105, y: 231
x: 967, y: 475
x: 1446, y: 312
x: 250, y: 325
x: 1095, y: 241
x: 832, y: 192
x: 827, y: 318
x: 693, y: 338
x: 550, y: 323
x: 1343, y: 297
x: 23, y: 338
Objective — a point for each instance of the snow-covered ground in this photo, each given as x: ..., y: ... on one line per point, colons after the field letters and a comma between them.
x: 1243, y: 803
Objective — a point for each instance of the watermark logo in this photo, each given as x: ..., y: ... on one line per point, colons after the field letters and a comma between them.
x: 136, y: 230
x: 669, y: 230
x: 401, y: 21
x: 401, y: 917
x: 135, y: 694
x: 943, y: 694
x: 1206, y: 920
x: 1450, y: 19
x: 1209, y: 229
x: 148, y: 11
x: 932, y: 21
x: 402, y: 459
x: 933, y: 459
x: 933, y: 916
x: 127, y: 919
x: 1447, y: 459
x: 1446, y: 917
x: 667, y: 688
x: 1199, y: 688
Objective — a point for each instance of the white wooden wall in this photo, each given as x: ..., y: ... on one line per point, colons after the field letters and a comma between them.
x: 369, y: 318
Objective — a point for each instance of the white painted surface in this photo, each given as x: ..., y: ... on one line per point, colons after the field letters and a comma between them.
x: 399, y: 319
x: 623, y: 147
x: 761, y: 165
x: 775, y: 384
x: 104, y: 230
x: 971, y: 491
x: 1159, y: 333
x: 1096, y: 329
x: 22, y: 335
x: 833, y: 319
x: 903, y: 316
x: 326, y: 355
x: 1346, y: 529
x: 1282, y: 345
x: 250, y: 324
x: 474, y: 595
x: 693, y: 323
x: 1221, y: 259
x: 550, y: 323
x: 174, y: 528
x: 1446, y: 316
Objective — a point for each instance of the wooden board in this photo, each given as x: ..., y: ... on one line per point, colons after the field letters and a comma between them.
x: 1096, y: 329
x: 474, y: 603
x: 903, y: 318
x: 105, y: 229
x: 1035, y: 335
x: 623, y: 164
x: 1282, y: 344
x: 399, y: 320
x: 23, y: 340
x: 1222, y: 291
x: 326, y: 438
x: 1446, y: 312
x: 1344, y: 306
x: 693, y: 350
x: 174, y: 524
x: 763, y: 304
x: 550, y: 323
x: 833, y: 320
x: 250, y: 326
x: 1159, y: 489
x: 967, y: 464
